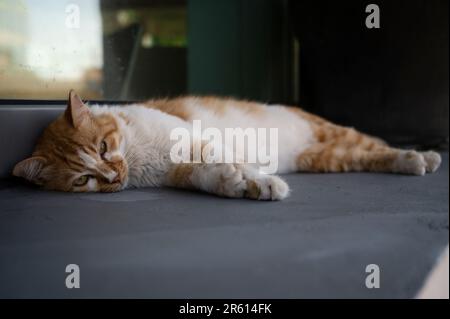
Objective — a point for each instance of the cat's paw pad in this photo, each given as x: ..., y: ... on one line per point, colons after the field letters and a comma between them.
x: 411, y: 162
x: 433, y: 161
x: 268, y: 187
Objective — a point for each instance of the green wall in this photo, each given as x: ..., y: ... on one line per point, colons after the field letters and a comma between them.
x: 239, y: 48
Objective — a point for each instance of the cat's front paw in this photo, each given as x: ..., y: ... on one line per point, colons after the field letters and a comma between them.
x: 231, y: 181
x: 267, y: 187
x: 239, y: 181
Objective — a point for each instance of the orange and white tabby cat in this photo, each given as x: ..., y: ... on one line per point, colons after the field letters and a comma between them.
x: 110, y: 148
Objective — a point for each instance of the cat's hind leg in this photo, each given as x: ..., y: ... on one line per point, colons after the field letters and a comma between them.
x: 433, y: 161
x: 345, y: 149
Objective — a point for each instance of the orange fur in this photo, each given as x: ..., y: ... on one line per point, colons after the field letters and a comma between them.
x: 343, y: 149
x: 70, y: 147
x: 179, y: 107
x: 173, y: 107
x: 60, y: 145
x: 179, y: 175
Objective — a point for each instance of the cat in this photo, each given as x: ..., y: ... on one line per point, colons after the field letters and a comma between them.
x: 110, y: 148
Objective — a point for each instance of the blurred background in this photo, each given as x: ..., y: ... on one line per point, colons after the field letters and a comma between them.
x: 392, y: 81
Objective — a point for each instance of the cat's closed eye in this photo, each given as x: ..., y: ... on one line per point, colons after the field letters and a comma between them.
x: 82, y: 180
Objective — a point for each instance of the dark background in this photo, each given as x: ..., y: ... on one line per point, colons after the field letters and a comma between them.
x: 391, y: 82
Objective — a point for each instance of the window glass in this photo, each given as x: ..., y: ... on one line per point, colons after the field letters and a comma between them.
x: 105, y: 49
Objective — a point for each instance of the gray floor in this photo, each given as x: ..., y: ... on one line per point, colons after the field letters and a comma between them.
x: 165, y: 243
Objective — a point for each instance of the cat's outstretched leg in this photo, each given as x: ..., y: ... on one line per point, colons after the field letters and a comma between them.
x: 345, y: 149
x: 227, y: 180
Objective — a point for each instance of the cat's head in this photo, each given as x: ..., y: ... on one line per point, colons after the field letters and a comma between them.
x: 78, y: 152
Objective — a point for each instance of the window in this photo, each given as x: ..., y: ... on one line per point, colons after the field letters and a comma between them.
x: 104, y: 49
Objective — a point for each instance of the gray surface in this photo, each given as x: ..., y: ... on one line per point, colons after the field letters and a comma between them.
x: 179, y: 244
x: 20, y: 127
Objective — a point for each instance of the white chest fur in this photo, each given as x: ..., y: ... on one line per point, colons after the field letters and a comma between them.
x: 146, y: 142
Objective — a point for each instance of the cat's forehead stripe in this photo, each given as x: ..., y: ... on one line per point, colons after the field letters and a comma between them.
x: 74, y: 163
x: 68, y: 158
x: 90, y: 148
x: 92, y: 163
x: 88, y: 160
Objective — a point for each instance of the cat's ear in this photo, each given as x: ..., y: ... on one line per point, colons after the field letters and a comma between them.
x: 76, y: 112
x: 30, y: 168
